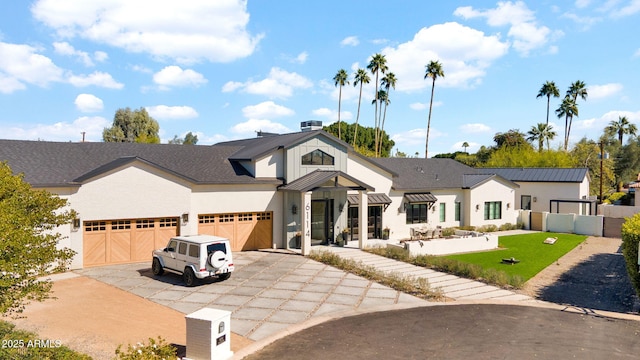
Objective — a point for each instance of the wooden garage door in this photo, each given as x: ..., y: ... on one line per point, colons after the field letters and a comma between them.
x: 125, y: 241
x: 246, y: 231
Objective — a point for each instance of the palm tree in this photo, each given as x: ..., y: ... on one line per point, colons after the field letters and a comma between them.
x: 567, y: 109
x: 434, y: 70
x: 377, y: 65
x: 361, y: 77
x: 388, y: 82
x: 541, y: 132
x: 340, y: 79
x: 465, y: 145
x: 621, y: 127
x: 548, y: 89
x: 577, y: 88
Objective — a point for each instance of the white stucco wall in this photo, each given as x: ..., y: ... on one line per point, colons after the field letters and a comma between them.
x: 489, y: 191
x: 270, y: 166
x: 369, y: 174
x: 543, y: 192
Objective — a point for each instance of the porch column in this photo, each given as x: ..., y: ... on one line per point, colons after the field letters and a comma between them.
x: 305, y: 219
x: 363, y: 218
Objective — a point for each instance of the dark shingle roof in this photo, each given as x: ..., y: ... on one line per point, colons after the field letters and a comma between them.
x: 539, y: 174
x: 57, y: 164
x: 415, y: 174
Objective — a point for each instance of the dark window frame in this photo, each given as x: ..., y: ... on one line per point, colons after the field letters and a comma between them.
x: 417, y: 213
x: 317, y: 157
x: 493, y: 210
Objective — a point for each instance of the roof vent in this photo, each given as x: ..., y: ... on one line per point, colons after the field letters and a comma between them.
x: 311, y: 125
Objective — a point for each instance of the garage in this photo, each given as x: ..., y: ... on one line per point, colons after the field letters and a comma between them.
x: 246, y: 231
x: 125, y: 241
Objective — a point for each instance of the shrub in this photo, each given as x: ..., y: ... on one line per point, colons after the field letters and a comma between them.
x: 487, y: 228
x: 630, y: 240
x: 448, y: 231
x: 155, y: 349
x: 468, y: 228
x: 16, y: 345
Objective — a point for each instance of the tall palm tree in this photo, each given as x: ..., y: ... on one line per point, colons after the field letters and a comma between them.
x: 567, y: 109
x: 388, y: 82
x: 465, y: 145
x: 434, y: 71
x: 548, y: 89
x: 576, y: 89
x: 361, y: 77
x: 340, y: 79
x: 377, y: 65
x: 541, y: 132
x: 621, y: 127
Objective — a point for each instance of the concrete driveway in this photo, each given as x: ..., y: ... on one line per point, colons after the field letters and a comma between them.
x: 268, y: 292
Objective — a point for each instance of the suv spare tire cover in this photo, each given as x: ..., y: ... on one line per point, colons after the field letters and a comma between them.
x: 217, y: 259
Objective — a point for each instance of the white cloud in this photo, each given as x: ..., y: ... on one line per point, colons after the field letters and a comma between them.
x: 637, y: 53
x: 100, y: 56
x: 92, y: 126
x: 21, y: 64
x: 97, y: 78
x: 279, y: 84
x: 266, y: 110
x: 631, y: 8
x: 88, y: 103
x: 350, y: 41
x: 164, y: 112
x: 464, y: 53
x: 475, y: 128
x: 187, y: 32
x: 582, y: 3
x: 332, y: 115
x: 64, y: 48
x: 418, y: 106
x: 301, y: 58
x: 253, y: 125
x: 526, y: 34
x: 602, y: 91
x: 174, y: 76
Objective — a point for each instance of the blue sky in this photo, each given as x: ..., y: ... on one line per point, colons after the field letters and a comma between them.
x: 224, y: 69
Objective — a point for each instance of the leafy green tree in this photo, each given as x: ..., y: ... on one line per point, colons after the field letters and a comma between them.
x: 189, y: 139
x: 366, y: 139
x: 434, y: 71
x: 132, y: 126
x: 586, y: 154
x: 527, y: 157
x: 28, y: 241
x: 548, y: 90
x: 377, y: 65
x: 627, y: 165
x: 361, y: 77
x: 567, y: 109
x: 340, y: 80
x: 511, y: 138
x: 541, y: 133
x: 621, y: 127
x: 388, y: 82
x: 630, y: 241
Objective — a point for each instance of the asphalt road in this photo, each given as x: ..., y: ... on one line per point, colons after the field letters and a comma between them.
x: 463, y: 332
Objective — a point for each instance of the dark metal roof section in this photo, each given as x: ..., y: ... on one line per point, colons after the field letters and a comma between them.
x: 54, y: 164
x: 539, y: 174
x: 372, y: 199
x: 321, y: 178
x: 420, y: 198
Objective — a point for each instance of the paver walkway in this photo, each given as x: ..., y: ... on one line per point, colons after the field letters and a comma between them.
x: 452, y: 286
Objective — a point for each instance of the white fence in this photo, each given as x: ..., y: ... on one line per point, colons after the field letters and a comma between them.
x: 454, y: 245
x: 567, y: 223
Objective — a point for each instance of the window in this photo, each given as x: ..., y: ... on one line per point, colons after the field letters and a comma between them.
x: 206, y: 219
x: 416, y: 213
x: 525, y: 202
x: 317, y: 157
x: 493, y: 210
x: 443, y: 212
x: 168, y: 222
x: 194, y: 250
x: 121, y: 225
x: 182, y: 248
x: 95, y: 225
x: 144, y: 224
x: 216, y: 247
x: 457, y: 211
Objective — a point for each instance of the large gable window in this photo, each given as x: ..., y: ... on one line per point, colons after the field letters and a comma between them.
x: 317, y: 157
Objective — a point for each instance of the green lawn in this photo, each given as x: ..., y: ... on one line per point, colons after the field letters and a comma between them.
x: 530, y: 249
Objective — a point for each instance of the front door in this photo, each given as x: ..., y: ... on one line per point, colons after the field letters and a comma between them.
x: 374, y: 230
x: 321, y: 221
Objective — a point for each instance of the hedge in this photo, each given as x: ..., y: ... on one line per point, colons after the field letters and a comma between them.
x: 630, y: 241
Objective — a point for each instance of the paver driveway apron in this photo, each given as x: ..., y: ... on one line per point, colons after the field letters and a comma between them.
x: 268, y: 292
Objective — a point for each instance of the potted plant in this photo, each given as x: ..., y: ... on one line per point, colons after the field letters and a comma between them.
x: 385, y: 233
x: 346, y: 234
x: 340, y: 240
x: 298, y: 240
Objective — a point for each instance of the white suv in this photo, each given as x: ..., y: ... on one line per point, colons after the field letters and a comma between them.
x: 195, y: 257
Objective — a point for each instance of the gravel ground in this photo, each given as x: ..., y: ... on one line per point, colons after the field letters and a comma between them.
x: 591, y: 276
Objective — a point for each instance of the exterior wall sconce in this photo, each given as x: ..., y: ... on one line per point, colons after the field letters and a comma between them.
x: 477, y: 207
x: 294, y: 209
x: 508, y: 205
x: 185, y: 218
x: 535, y: 199
x: 76, y: 223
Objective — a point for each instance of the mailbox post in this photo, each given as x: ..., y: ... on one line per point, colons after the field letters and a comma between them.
x: 209, y: 334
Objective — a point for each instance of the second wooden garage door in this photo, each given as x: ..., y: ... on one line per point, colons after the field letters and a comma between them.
x: 246, y: 231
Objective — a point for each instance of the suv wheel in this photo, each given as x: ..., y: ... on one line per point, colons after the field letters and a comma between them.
x: 189, y: 277
x: 156, y: 267
x: 224, y: 277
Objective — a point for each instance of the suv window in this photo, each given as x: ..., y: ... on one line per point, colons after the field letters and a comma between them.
x: 194, y: 250
x: 182, y: 248
x: 172, y: 245
x: 216, y: 247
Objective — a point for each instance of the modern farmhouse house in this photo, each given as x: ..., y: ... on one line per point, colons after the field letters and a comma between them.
x: 273, y: 191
